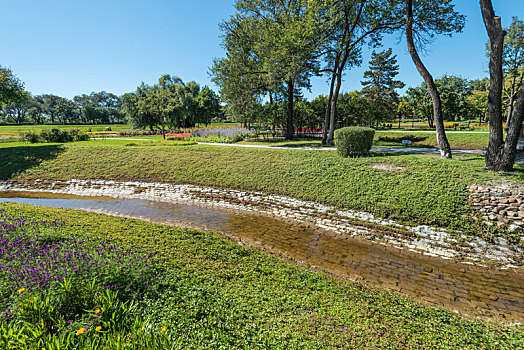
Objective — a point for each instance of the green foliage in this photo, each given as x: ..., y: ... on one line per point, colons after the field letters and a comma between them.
x: 170, y: 104
x: 399, y: 139
x: 11, y: 88
x: 214, y: 294
x: 379, y: 86
x: 55, y: 135
x: 416, y: 196
x: 455, y: 95
x: 354, y: 141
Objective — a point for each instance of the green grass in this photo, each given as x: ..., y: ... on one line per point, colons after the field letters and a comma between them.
x: 427, y: 190
x: 82, y: 127
x: 457, y: 140
x: 470, y: 140
x: 217, y: 295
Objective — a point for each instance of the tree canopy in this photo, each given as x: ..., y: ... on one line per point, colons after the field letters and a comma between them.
x: 11, y: 88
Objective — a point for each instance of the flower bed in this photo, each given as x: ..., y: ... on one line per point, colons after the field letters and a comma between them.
x: 229, y: 135
x: 64, y: 287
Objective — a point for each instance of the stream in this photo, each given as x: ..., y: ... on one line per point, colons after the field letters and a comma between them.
x: 465, y: 288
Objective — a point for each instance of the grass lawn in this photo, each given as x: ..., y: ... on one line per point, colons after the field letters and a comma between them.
x: 456, y: 140
x: 8, y: 129
x: 471, y: 140
x: 136, y: 285
x: 427, y: 190
x: 82, y: 127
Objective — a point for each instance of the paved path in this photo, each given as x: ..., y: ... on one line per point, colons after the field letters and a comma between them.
x: 374, y: 149
x: 415, y: 150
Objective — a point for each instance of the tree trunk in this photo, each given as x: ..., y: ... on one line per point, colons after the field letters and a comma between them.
x: 505, y: 157
x: 496, y: 159
x: 430, y: 121
x: 511, y: 100
x: 163, y: 129
x: 327, y: 117
x: 443, y: 144
x: 333, y: 111
x: 289, y: 122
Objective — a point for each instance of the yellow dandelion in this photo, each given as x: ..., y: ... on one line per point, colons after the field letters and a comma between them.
x: 97, y: 311
x: 98, y: 329
x: 163, y: 329
x: 80, y: 331
x: 21, y: 290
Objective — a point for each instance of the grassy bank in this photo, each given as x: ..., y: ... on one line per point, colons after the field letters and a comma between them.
x: 425, y: 189
x: 196, y: 290
x: 456, y: 140
x: 82, y: 127
x: 462, y: 140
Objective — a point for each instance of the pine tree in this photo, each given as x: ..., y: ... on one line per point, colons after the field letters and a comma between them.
x: 380, y: 84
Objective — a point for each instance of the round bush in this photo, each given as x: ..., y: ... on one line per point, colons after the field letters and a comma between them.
x: 354, y: 141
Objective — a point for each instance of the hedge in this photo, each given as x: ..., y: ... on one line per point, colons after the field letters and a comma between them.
x: 354, y: 141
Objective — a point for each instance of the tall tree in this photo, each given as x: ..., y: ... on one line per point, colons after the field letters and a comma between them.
x: 50, y: 106
x: 441, y: 19
x: 18, y: 111
x: 208, y: 104
x: 419, y: 101
x: 240, y: 75
x: 11, y: 88
x: 500, y: 154
x: 281, y: 43
x: 380, y: 84
x: 513, y: 62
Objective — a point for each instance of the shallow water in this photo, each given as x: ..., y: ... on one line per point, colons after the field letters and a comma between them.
x: 497, y: 294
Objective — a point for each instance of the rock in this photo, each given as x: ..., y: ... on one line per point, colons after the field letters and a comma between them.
x: 515, y: 228
x: 512, y: 200
x: 473, y: 188
x: 504, y: 201
x: 520, y: 213
x: 492, y: 217
x: 501, y: 224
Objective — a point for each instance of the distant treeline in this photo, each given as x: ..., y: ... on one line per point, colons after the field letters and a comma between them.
x: 170, y: 102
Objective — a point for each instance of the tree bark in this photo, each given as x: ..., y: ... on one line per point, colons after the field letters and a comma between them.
x: 333, y: 111
x: 289, y: 120
x: 511, y: 100
x: 507, y: 158
x: 342, y: 58
x: 327, y: 117
x: 442, y: 141
x: 430, y: 121
x: 496, y: 157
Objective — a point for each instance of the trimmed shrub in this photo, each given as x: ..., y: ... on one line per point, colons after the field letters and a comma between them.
x: 354, y: 141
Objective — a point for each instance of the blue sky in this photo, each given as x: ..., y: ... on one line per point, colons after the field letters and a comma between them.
x: 68, y: 47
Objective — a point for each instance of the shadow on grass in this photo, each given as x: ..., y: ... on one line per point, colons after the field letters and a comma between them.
x: 517, y: 174
x: 373, y: 154
x: 15, y: 160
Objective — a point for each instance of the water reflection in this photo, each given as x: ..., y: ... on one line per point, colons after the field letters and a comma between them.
x: 496, y: 294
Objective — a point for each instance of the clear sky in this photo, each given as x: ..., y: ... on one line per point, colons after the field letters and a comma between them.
x: 71, y: 47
